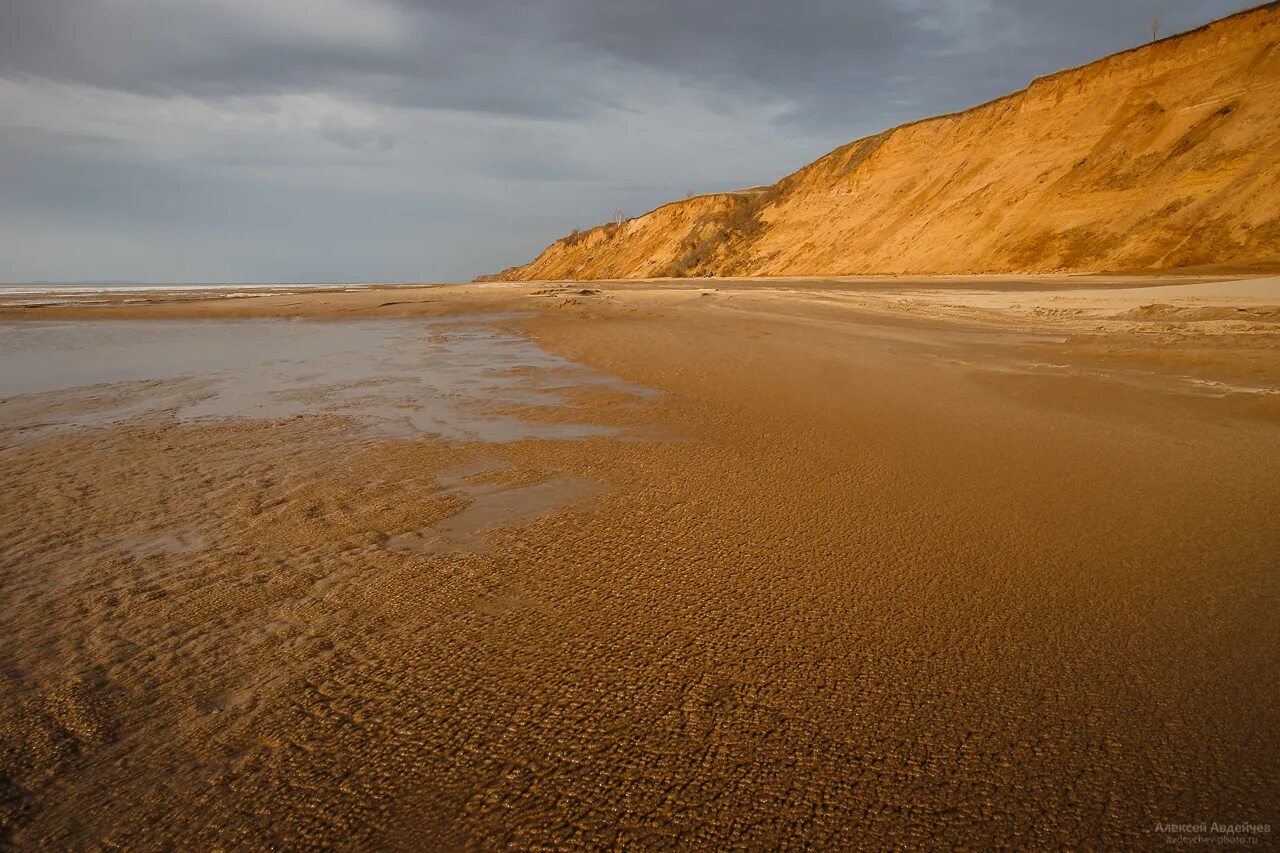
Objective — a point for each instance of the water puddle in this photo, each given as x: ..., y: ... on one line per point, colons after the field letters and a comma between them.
x: 494, y: 507
x: 398, y: 378
x: 1214, y: 388
x: 180, y: 542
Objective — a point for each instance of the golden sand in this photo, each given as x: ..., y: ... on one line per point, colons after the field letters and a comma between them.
x: 891, y: 563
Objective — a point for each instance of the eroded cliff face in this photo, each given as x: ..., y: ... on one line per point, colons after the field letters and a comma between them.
x: 1161, y: 157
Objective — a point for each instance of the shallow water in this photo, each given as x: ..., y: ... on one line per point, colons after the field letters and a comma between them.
x: 494, y: 506
x: 393, y: 377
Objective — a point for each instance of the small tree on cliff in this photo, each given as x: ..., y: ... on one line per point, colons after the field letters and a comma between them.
x: 1155, y: 27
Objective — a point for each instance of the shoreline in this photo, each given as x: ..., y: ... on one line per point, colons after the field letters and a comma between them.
x: 1210, y: 332
x: 322, y: 300
x: 17, y: 296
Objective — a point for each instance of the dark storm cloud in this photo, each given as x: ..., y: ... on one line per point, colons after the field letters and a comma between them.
x: 422, y: 57
x: 556, y: 58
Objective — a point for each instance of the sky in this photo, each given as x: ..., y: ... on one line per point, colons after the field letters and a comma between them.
x: 433, y: 140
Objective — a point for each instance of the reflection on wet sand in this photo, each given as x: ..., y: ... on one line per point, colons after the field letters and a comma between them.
x: 394, y: 378
x: 493, y: 505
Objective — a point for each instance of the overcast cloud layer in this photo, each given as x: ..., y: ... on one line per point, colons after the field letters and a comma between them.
x: 410, y: 140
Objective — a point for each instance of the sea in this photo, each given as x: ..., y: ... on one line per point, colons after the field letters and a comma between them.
x: 44, y: 291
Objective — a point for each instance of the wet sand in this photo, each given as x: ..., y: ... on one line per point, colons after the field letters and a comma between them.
x: 817, y: 564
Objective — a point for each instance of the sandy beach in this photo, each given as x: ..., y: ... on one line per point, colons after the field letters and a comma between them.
x: 705, y: 564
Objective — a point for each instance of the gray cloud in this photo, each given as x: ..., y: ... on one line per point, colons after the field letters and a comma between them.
x: 475, y: 130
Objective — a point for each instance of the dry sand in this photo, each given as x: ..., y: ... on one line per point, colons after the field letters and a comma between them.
x: 980, y: 563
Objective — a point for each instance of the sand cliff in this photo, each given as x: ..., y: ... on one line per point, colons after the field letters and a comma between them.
x: 1162, y: 157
